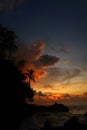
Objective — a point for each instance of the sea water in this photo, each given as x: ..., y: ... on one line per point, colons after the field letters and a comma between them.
x: 56, y: 119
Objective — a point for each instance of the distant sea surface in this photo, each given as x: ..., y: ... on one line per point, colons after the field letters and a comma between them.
x: 57, y: 119
x: 78, y: 109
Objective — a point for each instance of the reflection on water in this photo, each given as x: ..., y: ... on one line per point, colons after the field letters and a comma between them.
x: 78, y: 109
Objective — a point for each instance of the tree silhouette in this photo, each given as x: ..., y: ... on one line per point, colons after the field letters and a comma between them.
x: 11, y: 42
x: 13, y: 91
x: 31, y: 76
x: 12, y: 88
x: 29, y: 92
x: 8, y: 41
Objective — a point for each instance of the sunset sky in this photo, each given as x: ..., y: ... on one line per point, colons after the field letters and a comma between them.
x: 53, y: 41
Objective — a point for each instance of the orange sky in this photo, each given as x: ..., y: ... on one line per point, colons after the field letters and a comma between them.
x: 58, y: 81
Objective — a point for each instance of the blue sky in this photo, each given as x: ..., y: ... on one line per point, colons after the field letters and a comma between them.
x: 54, y: 21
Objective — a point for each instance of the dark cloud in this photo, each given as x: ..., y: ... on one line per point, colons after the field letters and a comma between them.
x: 74, y: 99
x: 66, y: 95
x: 31, y: 57
x: 60, y: 48
x: 41, y: 94
x: 63, y: 48
x: 68, y: 99
x: 28, y: 54
x: 61, y: 76
x: 85, y: 93
x: 47, y: 60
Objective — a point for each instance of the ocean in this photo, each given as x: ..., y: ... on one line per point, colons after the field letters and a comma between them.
x: 78, y: 109
x: 57, y: 119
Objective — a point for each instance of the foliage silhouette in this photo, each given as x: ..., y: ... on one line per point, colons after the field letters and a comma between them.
x: 47, y: 125
x: 12, y: 88
x: 8, y: 42
x: 73, y: 123
x: 31, y: 76
x: 58, y: 108
x: 85, y: 115
x: 13, y: 92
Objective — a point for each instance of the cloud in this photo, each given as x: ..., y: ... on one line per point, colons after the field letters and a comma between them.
x: 9, y: 4
x: 41, y: 73
x: 41, y: 94
x: 62, y: 74
x: 47, y: 60
x: 63, y: 48
x: 48, y: 86
x: 60, y: 78
x: 66, y: 95
x: 66, y: 62
x: 28, y: 54
x: 74, y: 98
x: 67, y: 99
x: 31, y: 57
x: 59, y: 47
x: 85, y: 94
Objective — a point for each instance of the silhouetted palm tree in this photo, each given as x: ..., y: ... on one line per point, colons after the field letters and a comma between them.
x: 31, y: 76
x: 14, y: 90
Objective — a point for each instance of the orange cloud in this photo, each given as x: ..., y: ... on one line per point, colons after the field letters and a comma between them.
x: 66, y: 62
x: 46, y: 61
x: 62, y: 74
x: 40, y: 73
x: 68, y: 99
x: 29, y: 54
x: 31, y: 57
